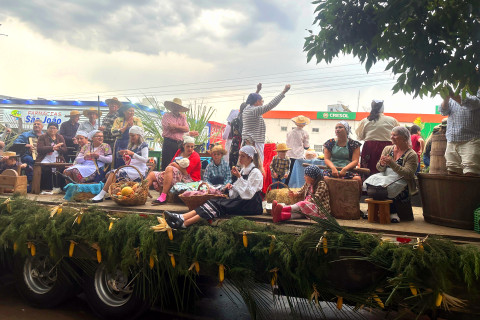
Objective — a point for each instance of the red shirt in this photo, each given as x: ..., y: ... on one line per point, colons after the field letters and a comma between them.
x: 195, y: 166
x: 416, y: 144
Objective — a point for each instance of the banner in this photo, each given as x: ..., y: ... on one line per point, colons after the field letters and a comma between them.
x: 30, y: 115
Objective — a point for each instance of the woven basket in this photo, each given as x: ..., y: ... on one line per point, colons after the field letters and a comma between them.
x: 138, y: 197
x: 193, y: 202
x: 281, y: 195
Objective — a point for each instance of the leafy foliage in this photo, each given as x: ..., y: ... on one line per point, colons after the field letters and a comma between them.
x: 350, y: 265
x: 433, y: 45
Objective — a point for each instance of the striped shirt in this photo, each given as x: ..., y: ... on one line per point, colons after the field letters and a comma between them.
x: 253, y: 123
x: 463, y: 120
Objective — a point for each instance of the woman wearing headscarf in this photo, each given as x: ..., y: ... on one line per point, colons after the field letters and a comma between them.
x: 253, y: 131
x: 174, y: 128
x: 164, y: 180
x: 375, y: 131
x: 397, y: 161
x: 136, y: 154
x: 342, y: 152
x: 120, y: 130
x: 244, y: 194
x: 91, y: 160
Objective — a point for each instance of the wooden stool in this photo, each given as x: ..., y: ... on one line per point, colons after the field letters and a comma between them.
x: 378, y: 210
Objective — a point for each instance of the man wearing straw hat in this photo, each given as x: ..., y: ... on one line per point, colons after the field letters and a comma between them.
x: 297, y: 140
x: 113, y: 105
x: 68, y: 130
x: 91, y: 124
x: 174, y: 126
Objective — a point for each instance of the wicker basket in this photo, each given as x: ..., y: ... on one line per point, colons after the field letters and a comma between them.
x: 138, y: 197
x: 193, y: 202
x: 281, y: 195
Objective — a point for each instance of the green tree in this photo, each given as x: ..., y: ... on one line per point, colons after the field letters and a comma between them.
x: 432, y: 45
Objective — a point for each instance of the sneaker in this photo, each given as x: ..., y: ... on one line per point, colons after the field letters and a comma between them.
x: 56, y: 191
x: 44, y: 192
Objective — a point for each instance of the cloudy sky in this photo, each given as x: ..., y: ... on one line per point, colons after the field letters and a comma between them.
x: 211, y: 51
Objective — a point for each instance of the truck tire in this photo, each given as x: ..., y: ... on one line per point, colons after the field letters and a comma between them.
x: 110, y: 295
x: 40, y: 282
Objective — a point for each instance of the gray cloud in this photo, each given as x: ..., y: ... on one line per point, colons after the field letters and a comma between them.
x: 147, y: 26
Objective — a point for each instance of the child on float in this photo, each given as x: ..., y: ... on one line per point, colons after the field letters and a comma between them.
x: 314, y: 186
x: 10, y: 160
x: 280, y: 165
x: 244, y: 194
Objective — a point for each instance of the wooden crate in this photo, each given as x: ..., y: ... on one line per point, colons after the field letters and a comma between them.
x: 10, y: 180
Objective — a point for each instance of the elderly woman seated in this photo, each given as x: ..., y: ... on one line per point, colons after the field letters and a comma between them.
x: 397, y: 162
x: 218, y: 171
x: 244, y: 194
x: 92, y: 159
x: 163, y: 181
x: 342, y: 152
x: 136, y: 155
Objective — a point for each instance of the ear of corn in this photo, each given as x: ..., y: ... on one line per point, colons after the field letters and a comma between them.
x: 79, y: 218
x: 339, y: 303
x: 99, y: 255
x: 439, y: 299
x: 170, y: 233
x: 33, y: 249
x: 221, y: 273
x: 245, y: 239
x: 324, y: 245
x: 110, y: 226
x: 151, y: 263
x: 15, y: 247
x: 379, y: 301
x: 413, y: 289
x: 71, y: 248
x: 172, y: 259
x: 197, y: 266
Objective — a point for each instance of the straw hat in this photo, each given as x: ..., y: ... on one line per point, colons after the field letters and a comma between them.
x: 310, y: 152
x: 302, y: 120
x: 92, y: 110
x: 10, y: 154
x: 282, y: 147
x: 73, y: 113
x: 175, y: 105
x: 114, y: 100
x: 219, y: 148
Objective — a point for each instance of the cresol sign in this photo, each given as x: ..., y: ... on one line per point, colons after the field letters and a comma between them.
x: 336, y: 115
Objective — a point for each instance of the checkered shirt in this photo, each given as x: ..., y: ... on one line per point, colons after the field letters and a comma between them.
x: 222, y: 170
x: 463, y: 120
x: 280, y: 166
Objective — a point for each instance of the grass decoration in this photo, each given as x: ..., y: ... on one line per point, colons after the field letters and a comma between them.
x: 323, y: 263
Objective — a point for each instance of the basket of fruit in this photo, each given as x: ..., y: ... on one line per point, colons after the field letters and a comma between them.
x: 129, y: 193
x: 194, y: 199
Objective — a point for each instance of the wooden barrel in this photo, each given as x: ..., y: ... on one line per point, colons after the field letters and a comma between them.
x: 438, y: 164
x: 449, y: 200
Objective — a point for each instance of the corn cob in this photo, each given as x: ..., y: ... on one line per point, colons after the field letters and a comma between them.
x: 221, y: 273
x: 71, y: 248
x: 413, y: 289
x: 245, y: 239
x: 339, y: 303
x: 172, y: 259
x: 439, y: 299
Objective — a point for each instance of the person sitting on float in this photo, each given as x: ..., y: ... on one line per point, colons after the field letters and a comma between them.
x: 136, y: 155
x: 397, y: 161
x: 342, y: 152
x: 10, y: 160
x: 163, y: 181
x: 91, y: 160
x: 81, y: 139
x: 314, y: 187
x: 218, y: 171
x: 120, y: 131
x: 244, y: 194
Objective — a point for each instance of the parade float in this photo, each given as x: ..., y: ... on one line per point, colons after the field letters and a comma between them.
x: 126, y: 262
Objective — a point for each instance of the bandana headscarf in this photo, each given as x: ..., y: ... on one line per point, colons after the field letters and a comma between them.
x: 92, y: 133
x: 249, y: 151
x: 380, y: 104
x: 347, y: 126
x: 252, y: 98
x: 313, y: 172
x: 81, y: 133
x: 188, y: 139
x: 137, y: 130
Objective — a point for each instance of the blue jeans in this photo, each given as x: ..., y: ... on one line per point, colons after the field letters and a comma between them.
x: 30, y: 162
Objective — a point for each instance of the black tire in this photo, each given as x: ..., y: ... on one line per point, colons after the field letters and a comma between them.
x: 40, y: 282
x: 108, y: 298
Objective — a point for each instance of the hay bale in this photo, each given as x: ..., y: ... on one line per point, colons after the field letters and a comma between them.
x: 281, y: 195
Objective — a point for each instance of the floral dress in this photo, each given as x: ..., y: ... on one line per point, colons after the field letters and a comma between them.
x: 89, y: 170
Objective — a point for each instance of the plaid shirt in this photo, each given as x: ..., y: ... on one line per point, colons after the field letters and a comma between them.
x: 280, y: 166
x: 108, y: 124
x: 222, y: 170
x: 463, y: 120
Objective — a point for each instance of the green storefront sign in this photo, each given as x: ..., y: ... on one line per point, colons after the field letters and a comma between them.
x: 336, y: 115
